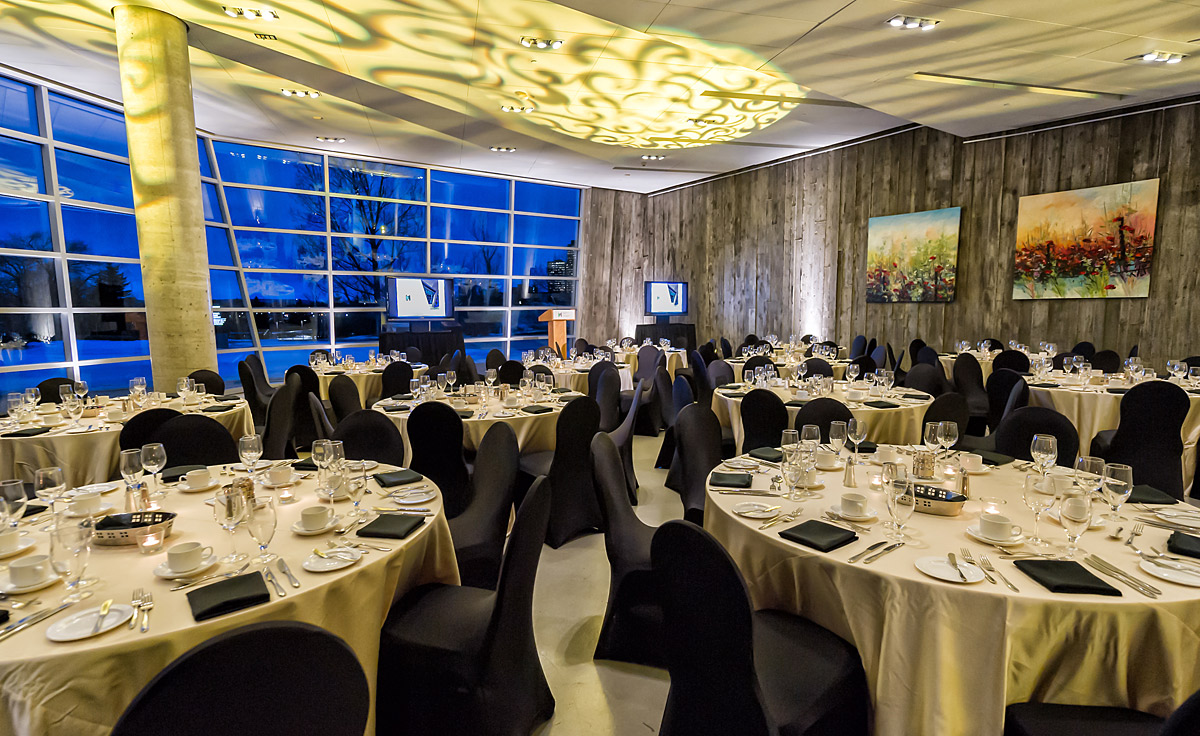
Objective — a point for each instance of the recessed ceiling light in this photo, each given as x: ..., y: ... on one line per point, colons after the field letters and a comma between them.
x: 503, y: 149
x: 250, y: 13
x: 517, y: 108
x: 909, y: 22
x: 300, y: 93
x: 652, y: 157
x: 327, y: 139
x: 1158, y: 57
x: 530, y: 42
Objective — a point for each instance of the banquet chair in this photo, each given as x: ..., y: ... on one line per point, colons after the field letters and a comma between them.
x: 622, y: 437
x: 581, y: 345
x: 478, y: 532
x: 927, y: 355
x: 764, y: 417
x: 568, y: 468
x: 255, y: 398
x: 719, y: 373
x: 914, y: 349
x: 708, y: 352
x: 1013, y: 435
x: 949, y: 407
x: 369, y: 435
x: 858, y: 346
x: 49, y: 389
x: 1192, y: 361
x: 460, y: 660
x: 608, y: 396
x: 1085, y: 348
x: 647, y: 361
x: 193, y: 696
x: 1106, y: 360
x: 320, y: 418
x: 1052, y: 719
x: 540, y: 370
x: 1006, y: 390
x: 1060, y: 360
x: 495, y: 359
x: 726, y: 349
x: 1148, y: 436
x: 303, y: 430
x: 632, y: 625
x: 259, y: 372
x: 195, y: 439
x: 750, y: 338
x: 871, y: 344
x: 831, y: 344
x: 879, y: 355
x: 701, y: 381
x: 666, y: 411
x: 343, y: 397
x: 682, y: 396
x: 819, y: 367
x: 213, y: 383
x: 395, y: 379
x: 755, y: 362
x: 463, y: 366
x: 994, y: 344
x: 698, y: 434
x: 968, y: 381
x: 319, y: 351
x: 765, y: 344
x: 1013, y: 360
x: 735, y: 670
x: 894, y: 364
x: 510, y: 372
x: 414, y: 355
x: 822, y: 412
x: 594, y: 375
x: 140, y: 427
x: 602, y: 352
x: 277, y: 434
x: 435, y: 435
x: 864, y: 363
x: 927, y: 378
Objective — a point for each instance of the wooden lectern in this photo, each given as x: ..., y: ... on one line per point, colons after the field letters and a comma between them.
x: 556, y: 327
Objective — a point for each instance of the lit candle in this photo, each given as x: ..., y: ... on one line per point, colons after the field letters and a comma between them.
x: 875, y: 481
x: 991, y: 504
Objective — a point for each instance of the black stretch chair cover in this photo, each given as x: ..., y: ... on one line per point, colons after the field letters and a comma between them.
x: 460, y: 660
x: 858, y: 346
x: 822, y: 412
x: 603, y: 352
x: 1053, y: 719
x: 142, y: 426
x: 871, y: 345
x: 196, y: 439
x: 864, y: 362
x: 1148, y: 437
x: 662, y: 386
x: 49, y: 389
x: 395, y: 378
x: 927, y: 355
x: 632, y: 627
x: 708, y: 352
x: 413, y: 354
x: 893, y: 363
x: 259, y: 372
x: 726, y: 349
x: 343, y: 397
x: 622, y: 436
x: 467, y: 374
x: 647, y: 360
x: 753, y: 363
x: 1133, y: 351
x: 435, y: 434
x: 703, y: 383
x: 581, y: 345
x: 539, y: 369
x: 968, y: 381
x: 319, y: 351
x: 594, y: 375
x: 510, y: 372
x: 698, y: 442
x: 1013, y: 360
x: 277, y: 434
x: 285, y: 654
x: 1060, y: 359
x: 575, y: 510
x: 608, y: 397
x: 720, y: 373
x: 1006, y: 390
x: 879, y: 355
x: 1017, y: 430
x: 369, y: 435
x: 258, y: 404
x: 213, y: 383
x: 1085, y: 348
x: 735, y: 671
x: 949, y: 407
x: 764, y: 417
x: 994, y: 344
x: 479, y: 531
x: 914, y: 349
x: 927, y: 378
x: 443, y: 365
x: 320, y: 418
x: 681, y: 395
x: 303, y: 430
x: 818, y: 367
x: 751, y: 338
x: 495, y: 358
x: 1192, y: 361
x: 1106, y: 360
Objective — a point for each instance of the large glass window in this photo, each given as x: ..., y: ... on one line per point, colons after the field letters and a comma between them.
x: 28, y: 282
x: 111, y: 335
x: 373, y: 179
x: 219, y: 253
x: 377, y: 254
x: 89, y: 126
x: 104, y: 284
x: 282, y: 210
x: 286, y: 290
x: 29, y: 339
x: 17, y: 108
x: 93, y: 179
x: 547, y: 199
x: 269, y: 167
x: 463, y: 258
x: 21, y: 167
x: 99, y: 232
x: 373, y: 217
x: 545, y: 231
x: 24, y: 224
x: 469, y: 190
x: 280, y: 250
x: 448, y: 224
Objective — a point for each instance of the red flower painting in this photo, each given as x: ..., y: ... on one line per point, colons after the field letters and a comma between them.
x: 913, y: 257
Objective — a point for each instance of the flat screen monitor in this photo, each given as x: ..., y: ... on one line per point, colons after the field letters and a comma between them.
x: 665, y: 298
x: 411, y: 298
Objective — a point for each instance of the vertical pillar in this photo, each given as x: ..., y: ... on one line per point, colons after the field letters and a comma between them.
x: 160, y: 122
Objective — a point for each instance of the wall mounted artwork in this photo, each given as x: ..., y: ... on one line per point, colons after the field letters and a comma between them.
x: 913, y: 257
x: 1086, y: 243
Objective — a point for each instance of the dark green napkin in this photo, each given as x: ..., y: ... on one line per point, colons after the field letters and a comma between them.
x: 770, y: 454
x: 398, y: 478
x: 172, y: 395
x: 734, y: 394
x: 819, y: 535
x: 228, y: 397
x: 1118, y: 390
x: 397, y: 407
x: 218, y: 408
x: 170, y: 475
x: 878, y: 404
x: 582, y: 370
x: 796, y: 402
x: 1065, y: 576
x: 1149, y: 494
x: 915, y: 397
x: 403, y: 397
x: 31, y: 509
x: 305, y: 466
x: 377, y: 370
x: 1183, y: 544
x: 464, y: 413
x: 994, y: 458
x: 560, y: 390
x: 29, y: 432
x: 730, y: 480
x: 227, y: 596
x: 1043, y: 385
x: 867, y: 446
x: 537, y: 409
x: 392, y: 526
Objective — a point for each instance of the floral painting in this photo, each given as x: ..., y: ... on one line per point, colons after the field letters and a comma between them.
x: 913, y: 257
x: 1086, y: 243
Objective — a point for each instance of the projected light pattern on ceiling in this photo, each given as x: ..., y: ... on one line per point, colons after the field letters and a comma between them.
x: 606, y: 84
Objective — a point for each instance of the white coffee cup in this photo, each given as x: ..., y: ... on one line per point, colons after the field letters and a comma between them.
x: 826, y: 459
x: 279, y: 474
x: 199, y: 478
x: 315, y: 517
x: 887, y: 454
x: 854, y: 504
x: 971, y: 462
x: 192, y: 399
x: 102, y: 401
x: 459, y: 402
x: 187, y: 556
x: 856, y: 394
x: 8, y: 539
x: 49, y: 408
x: 114, y: 414
x: 85, y: 503
x: 997, y: 526
x: 29, y: 571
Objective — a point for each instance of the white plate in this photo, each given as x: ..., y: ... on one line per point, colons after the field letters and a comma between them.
x: 100, y: 488
x: 503, y: 415
x: 23, y: 544
x: 80, y: 430
x: 1191, y: 579
x: 1188, y: 520
x: 345, y: 558
x: 838, y: 466
x: 836, y: 510
x: 1098, y: 521
x: 369, y: 464
x: 8, y: 587
x: 104, y: 509
x: 973, y: 533
x: 986, y: 469
x: 296, y: 478
x: 939, y: 567
x: 418, y: 496
x: 165, y: 572
x: 741, y: 463
x: 313, y: 532
x: 185, y: 488
x: 82, y: 625
x: 756, y: 510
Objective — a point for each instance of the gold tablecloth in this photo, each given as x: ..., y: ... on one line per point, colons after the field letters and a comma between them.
x: 787, y: 370
x: 676, y: 359
x: 535, y: 432
x: 368, y: 382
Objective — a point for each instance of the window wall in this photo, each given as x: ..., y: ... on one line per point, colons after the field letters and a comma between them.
x: 299, y: 243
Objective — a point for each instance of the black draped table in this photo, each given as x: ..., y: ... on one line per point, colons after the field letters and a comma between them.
x: 670, y: 331
x: 433, y: 345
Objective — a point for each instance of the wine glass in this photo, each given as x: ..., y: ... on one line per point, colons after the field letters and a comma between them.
x: 250, y: 449
x: 1075, y: 515
x: 947, y: 435
x: 852, y: 372
x: 356, y: 485
x: 70, y: 545
x: 336, y: 465
x: 229, y: 510
x: 898, y: 492
x: 810, y: 435
x: 1038, y: 501
x: 451, y: 379
x: 1117, y: 485
x: 837, y: 436
x: 74, y: 409
x: 856, y: 432
x: 320, y: 458
x: 48, y: 484
x: 789, y: 440
x: 64, y: 391
x: 1044, y: 449
x: 261, y: 525
x: 13, y: 402
x: 12, y: 502
x: 933, y: 436
x: 492, y: 375
x: 441, y: 382
x: 33, y: 396
x: 154, y: 459
x: 81, y: 389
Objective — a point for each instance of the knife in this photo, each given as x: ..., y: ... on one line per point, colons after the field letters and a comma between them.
x: 868, y: 550
x: 283, y: 567
x: 38, y: 617
x: 884, y: 551
x: 270, y: 576
x: 954, y: 563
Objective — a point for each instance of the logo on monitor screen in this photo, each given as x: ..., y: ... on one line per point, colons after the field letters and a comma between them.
x: 431, y: 293
x: 673, y: 294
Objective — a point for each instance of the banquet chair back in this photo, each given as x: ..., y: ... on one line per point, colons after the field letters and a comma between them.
x: 726, y: 349
x: 259, y: 372
x: 495, y: 359
x: 949, y: 407
x: 864, y: 362
x: 764, y: 417
x: 879, y: 355
x: 435, y: 435
x: 213, y: 383
x: 320, y: 418
x: 141, y: 427
x: 581, y: 345
x: 647, y: 360
x: 1133, y: 351
x: 830, y: 344
x: 594, y: 375
x: 478, y: 532
x: 622, y: 437
x: 1085, y: 348
x: 968, y: 381
x: 464, y: 370
x: 822, y: 412
x: 698, y: 438
x: 49, y: 389
x: 994, y: 344
x: 395, y: 378
x: 662, y: 386
x: 196, y: 439
x: 700, y: 378
x: 574, y: 510
x: 303, y: 430
x: 1106, y: 360
x: 819, y: 367
x: 413, y: 354
x: 871, y: 344
x: 1149, y: 435
x: 285, y: 654
x: 755, y: 362
x: 708, y: 352
x: 1060, y: 360
x: 1192, y: 361
x: 608, y: 396
x: 719, y: 373
x: 894, y: 363
x: 510, y: 372
x: 603, y: 352
x: 927, y: 378
x: 540, y: 370
x: 1014, y: 434
x: 858, y: 346
x: 927, y: 355
x: 277, y: 434
x: 1013, y: 360
x: 1006, y: 390
x: 1055, y: 719
x: 914, y: 349
x: 369, y: 435
x: 319, y: 351
x: 257, y: 402
x: 343, y: 397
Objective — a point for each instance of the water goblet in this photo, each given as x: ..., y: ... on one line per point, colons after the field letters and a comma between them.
x: 947, y: 435
x: 12, y: 502
x: 154, y: 459
x: 261, y: 521
x: 70, y: 546
x: 852, y: 372
x: 356, y: 486
x: 49, y: 484
x: 1075, y: 515
x: 837, y: 436
x: 856, y: 432
x: 33, y: 397
x: 1038, y: 500
x: 81, y: 389
x: 451, y: 379
x: 1117, y: 485
x: 441, y: 382
x: 898, y: 493
x: 74, y: 409
x: 65, y: 391
x: 1044, y: 450
x: 250, y: 449
x: 229, y: 510
x: 933, y: 437
x: 789, y: 440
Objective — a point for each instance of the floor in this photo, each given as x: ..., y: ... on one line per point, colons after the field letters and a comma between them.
x: 592, y: 696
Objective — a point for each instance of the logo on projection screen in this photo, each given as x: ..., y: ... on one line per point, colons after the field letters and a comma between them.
x: 418, y: 298
x: 665, y: 299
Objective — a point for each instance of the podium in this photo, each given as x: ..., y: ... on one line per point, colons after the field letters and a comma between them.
x: 556, y: 327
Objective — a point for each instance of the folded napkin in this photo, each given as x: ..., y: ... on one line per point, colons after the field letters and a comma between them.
x: 227, y: 596
x: 1043, y: 385
x: 1118, y: 390
x: 994, y: 458
x: 1149, y: 494
x: 770, y: 454
x: 172, y: 395
x: 377, y: 370
x: 170, y: 475
x: 398, y: 477
x: 819, y: 535
x: 403, y: 397
x: 28, y: 432
x: 228, y: 397
x: 397, y: 407
x: 796, y: 402
x: 536, y: 409
x: 464, y: 413
x: 582, y: 370
x: 915, y: 397
x: 734, y: 394
x: 305, y: 466
x: 218, y: 408
x: 31, y: 509
x: 1065, y: 576
x: 392, y: 526
x: 881, y: 404
x: 1183, y: 544
x: 560, y: 390
x: 730, y: 480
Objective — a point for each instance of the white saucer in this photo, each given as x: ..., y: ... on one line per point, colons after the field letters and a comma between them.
x: 164, y: 571
x: 22, y: 544
x: 756, y: 510
x: 100, y: 488
x: 836, y: 466
x: 973, y: 533
x: 8, y: 587
x: 416, y: 496
x: 289, y: 482
x: 104, y: 509
x: 185, y: 488
x: 82, y: 625
x: 1098, y: 521
x: 503, y: 415
x: 983, y: 471
x: 836, y: 510
x: 333, y: 522
x: 741, y: 463
x: 1191, y: 522
x: 1182, y: 577
x: 345, y: 558
x: 939, y: 567
x: 370, y: 464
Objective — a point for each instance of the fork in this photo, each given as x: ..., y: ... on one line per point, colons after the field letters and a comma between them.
x: 1138, y: 528
x: 987, y: 565
x: 966, y: 555
x: 136, y: 602
x: 147, y: 604
x: 781, y: 519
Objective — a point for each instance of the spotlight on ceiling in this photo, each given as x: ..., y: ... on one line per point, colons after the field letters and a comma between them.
x: 250, y: 13
x: 1159, y: 57
x: 530, y: 42
x: 652, y: 157
x: 910, y: 22
x: 327, y: 139
x: 503, y: 149
x: 300, y: 93
x: 515, y: 108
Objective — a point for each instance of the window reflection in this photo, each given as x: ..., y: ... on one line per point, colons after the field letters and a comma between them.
x: 547, y: 199
x: 111, y: 335
x: 17, y: 111
x: 92, y: 179
x: 479, y: 292
x: 359, y: 291
x: 262, y: 208
x: 545, y: 230
x: 542, y: 293
x: 543, y: 262
x: 479, y: 350
x: 99, y: 284
x: 113, y: 378
x: 457, y: 258
x: 490, y: 227
x: 24, y: 224
x: 280, y: 250
x: 525, y: 322
x: 26, y: 339
x: 286, y: 290
x: 99, y: 233
x: 219, y: 253
x: 373, y: 179
x: 286, y: 328
x: 278, y: 361
x: 377, y: 254
x: 226, y: 291
x: 481, y: 324
x: 233, y: 331
x: 212, y: 205
x: 98, y: 128
x: 21, y: 167
x: 202, y: 155
x: 354, y: 326
x: 28, y: 282
x: 467, y: 189
x: 269, y: 167
x: 372, y: 217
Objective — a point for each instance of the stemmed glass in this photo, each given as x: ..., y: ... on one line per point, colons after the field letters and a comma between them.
x: 887, y: 378
x: 81, y: 390
x: 1117, y: 485
x: 789, y: 440
x: 492, y: 376
x: 250, y: 449
x: 1044, y: 449
x: 154, y: 459
x: 70, y: 544
x: 1038, y: 501
x: 837, y: 436
x: 13, y: 402
x: 933, y: 437
x: 947, y: 435
x: 48, y: 485
x: 33, y: 397
x: 335, y: 462
x: 441, y: 382
x: 856, y: 432
x: 229, y: 510
x: 261, y: 525
x: 74, y: 407
x: 1075, y: 515
x: 451, y: 379
x: 320, y: 458
x: 852, y: 372
x: 12, y: 502
x: 810, y: 436
x: 356, y: 485
x: 899, y: 493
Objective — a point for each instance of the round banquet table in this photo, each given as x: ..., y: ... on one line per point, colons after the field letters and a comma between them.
x: 82, y: 687
x: 1094, y: 410
x: 368, y: 381
x: 985, y: 363
x: 787, y: 370
x: 676, y: 359
x: 901, y: 425
x: 576, y: 379
x: 92, y: 456
x: 535, y: 432
x: 945, y: 658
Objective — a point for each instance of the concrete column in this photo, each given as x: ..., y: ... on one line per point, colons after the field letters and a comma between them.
x: 160, y: 122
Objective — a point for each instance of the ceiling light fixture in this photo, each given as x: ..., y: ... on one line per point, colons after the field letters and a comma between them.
x: 702, y: 121
x: 327, y: 139
x: 996, y: 84
x: 503, y: 149
x: 776, y: 98
x: 1159, y: 57
x: 250, y: 13
x: 652, y: 157
x: 300, y: 93
x: 530, y: 42
x: 515, y: 108
x: 909, y: 22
